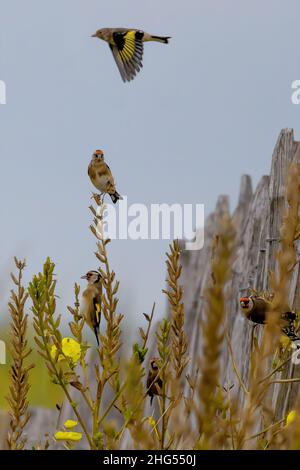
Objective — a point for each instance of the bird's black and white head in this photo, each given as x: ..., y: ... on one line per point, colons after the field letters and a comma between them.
x: 154, y: 364
x: 98, y: 156
x: 92, y: 277
x: 246, y: 304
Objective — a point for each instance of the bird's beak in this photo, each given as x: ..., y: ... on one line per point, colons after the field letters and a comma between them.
x: 83, y: 277
x: 94, y: 35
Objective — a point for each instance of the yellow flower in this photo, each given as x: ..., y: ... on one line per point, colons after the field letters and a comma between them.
x: 69, y: 424
x: 68, y: 436
x: 291, y: 417
x: 70, y: 348
x: 53, y: 353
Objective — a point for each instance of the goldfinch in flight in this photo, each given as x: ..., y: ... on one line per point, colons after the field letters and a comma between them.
x: 127, y: 46
x: 154, y: 382
x: 91, y: 300
x: 256, y: 308
x: 101, y: 176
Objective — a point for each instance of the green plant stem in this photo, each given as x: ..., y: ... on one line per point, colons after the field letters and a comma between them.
x: 265, y: 430
x: 63, y: 386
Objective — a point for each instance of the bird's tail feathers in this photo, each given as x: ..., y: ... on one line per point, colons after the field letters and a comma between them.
x: 115, y: 197
x: 163, y: 39
x: 96, y: 331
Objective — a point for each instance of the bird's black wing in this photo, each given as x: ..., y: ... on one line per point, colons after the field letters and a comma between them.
x: 97, y: 301
x: 97, y: 306
x: 150, y: 380
x: 128, y: 53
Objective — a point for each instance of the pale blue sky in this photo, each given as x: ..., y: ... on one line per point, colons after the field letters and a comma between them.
x: 205, y: 109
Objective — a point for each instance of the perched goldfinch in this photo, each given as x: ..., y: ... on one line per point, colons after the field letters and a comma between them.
x: 127, y: 48
x: 256, y: 308
x: 91, y: 299
x: 154, y: 383
x: 101, y: 176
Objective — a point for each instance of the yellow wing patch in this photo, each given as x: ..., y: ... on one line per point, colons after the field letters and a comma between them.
x: 128, y: 54
x: 128, y: 50
x: 98, y: 311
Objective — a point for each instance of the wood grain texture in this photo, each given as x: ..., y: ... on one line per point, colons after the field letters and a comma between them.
x: 257, y: 220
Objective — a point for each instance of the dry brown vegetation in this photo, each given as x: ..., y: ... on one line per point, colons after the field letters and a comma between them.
x: 192, y: 411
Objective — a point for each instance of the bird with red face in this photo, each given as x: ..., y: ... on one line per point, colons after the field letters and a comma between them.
x: 256, y: 309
